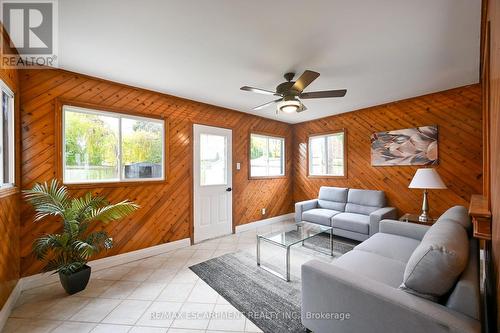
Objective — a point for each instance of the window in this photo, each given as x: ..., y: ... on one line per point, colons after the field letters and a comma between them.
x: 267, y: 156
x: 213, y: 159
x: 327, y: 155
x: 7, y: 145
x: 103, y: 146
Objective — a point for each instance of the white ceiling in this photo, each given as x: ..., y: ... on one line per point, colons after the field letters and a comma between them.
x: 379, y: 50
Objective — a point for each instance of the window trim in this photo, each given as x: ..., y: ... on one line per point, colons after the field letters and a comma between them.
x: 308, y: 152
x: 269, y: 135
x: 113, y: 112
x: 11, y: 186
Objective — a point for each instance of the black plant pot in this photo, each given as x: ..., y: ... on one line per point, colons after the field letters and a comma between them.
x: 75, y: 282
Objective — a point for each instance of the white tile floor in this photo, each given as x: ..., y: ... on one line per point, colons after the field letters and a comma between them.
x: 141, y: 296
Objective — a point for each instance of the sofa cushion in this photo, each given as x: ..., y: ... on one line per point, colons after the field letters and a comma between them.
x: 436, y: 263
x: 319, y: 215
x: 390, y: 246
x: 465, y: 297
x: 333, y: 198
x: 352, y: 222
x: 458, y: 214
x: 373, y: 266
x: 364, y: 201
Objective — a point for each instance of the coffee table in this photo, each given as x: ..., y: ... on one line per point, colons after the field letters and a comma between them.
x: 298, y: 233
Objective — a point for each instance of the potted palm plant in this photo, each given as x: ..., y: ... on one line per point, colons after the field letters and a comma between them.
x: 68, y: 251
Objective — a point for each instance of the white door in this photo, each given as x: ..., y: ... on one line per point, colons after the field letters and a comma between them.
x: 212, y: 182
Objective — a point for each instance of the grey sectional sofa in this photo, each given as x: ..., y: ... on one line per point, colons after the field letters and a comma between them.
x: 353, y: 213
x: 406, y: 278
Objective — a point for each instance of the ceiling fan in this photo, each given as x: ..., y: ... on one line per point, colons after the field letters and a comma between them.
x: 291, y: 93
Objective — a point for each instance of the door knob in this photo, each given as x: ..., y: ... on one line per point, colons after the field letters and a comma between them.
x: 229, y: 189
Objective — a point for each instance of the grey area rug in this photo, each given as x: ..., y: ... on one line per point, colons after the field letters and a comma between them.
x: 269, y: 302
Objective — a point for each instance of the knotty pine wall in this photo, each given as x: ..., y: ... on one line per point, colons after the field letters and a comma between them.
x: 165, y: 215
x: 457, y: 113
x: 9, y: 204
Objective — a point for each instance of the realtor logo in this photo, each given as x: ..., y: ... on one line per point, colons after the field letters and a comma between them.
x: 31, y: 26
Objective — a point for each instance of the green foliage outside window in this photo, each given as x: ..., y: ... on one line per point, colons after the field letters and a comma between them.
x: 91, y: 140
x: 143, y: 144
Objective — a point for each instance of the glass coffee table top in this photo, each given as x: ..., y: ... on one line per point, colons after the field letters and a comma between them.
x: 296, y: 233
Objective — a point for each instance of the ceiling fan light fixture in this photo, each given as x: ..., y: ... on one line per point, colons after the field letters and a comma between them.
x: 292, y: 92
x: 289, y: 106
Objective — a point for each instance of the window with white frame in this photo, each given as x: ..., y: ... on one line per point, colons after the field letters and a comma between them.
x: 327, y: 155
x: 7, y: 143
x: 267, y: 156
x: 102, y: 146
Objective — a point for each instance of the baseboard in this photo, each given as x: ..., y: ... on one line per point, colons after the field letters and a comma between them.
x: 264, y: 222
x: 9, y: 305
x: 41, y: 279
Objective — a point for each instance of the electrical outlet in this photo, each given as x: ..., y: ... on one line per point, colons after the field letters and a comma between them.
x: 263, y: 211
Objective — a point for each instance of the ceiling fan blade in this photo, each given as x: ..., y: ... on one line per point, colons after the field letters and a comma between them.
x: 304, y: 80
x: 259, y: 91
x: 301, y: 108
x: 324, y: 94
x: 266, y: 104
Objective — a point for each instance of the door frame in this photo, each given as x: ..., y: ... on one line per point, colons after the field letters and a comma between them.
x: 191, y: 176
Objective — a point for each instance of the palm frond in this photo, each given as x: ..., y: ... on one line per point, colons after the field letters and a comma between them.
x: 113, y: 212
x: 43, y: 245
x: 47, y: 209
x: 84, y: 249
x: 59, y: 265
x: 55, y: 264
x: 72, y: 267
x: 72, y: 227
x: 47, y: 199
x: 100, y: 240
x: 83, y: 206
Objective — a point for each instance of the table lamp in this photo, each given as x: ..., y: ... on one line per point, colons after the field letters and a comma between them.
x: 426, y: 179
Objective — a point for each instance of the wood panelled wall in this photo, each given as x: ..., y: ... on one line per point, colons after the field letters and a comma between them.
x: 9, y: 202
x: 165, y: 212
x: 457, y: 113
x: 491, y: 80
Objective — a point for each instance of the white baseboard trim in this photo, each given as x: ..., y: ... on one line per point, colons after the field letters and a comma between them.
x: 9, y: 305
x: 41, y: 279
x: 264, y: 222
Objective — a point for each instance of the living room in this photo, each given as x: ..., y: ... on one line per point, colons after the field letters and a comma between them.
x: 175, y: 167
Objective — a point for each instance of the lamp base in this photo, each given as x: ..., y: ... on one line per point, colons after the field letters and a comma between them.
x: 424, y: 217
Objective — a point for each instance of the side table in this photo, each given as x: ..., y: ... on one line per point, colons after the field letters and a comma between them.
x: 413, y: 218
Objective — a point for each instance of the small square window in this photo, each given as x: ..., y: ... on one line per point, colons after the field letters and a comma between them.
x: 267, y: 156
x: 327, y: 155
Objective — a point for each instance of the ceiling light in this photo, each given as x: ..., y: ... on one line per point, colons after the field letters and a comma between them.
x: 289, y: 106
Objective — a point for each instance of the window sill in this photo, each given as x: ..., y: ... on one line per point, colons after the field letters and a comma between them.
x: 327, y: 176
x: 266, y: 177
x: 8, y: 191
x: 114, y: 184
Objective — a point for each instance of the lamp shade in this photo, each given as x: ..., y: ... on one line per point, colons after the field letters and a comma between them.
x: 427, y: 179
